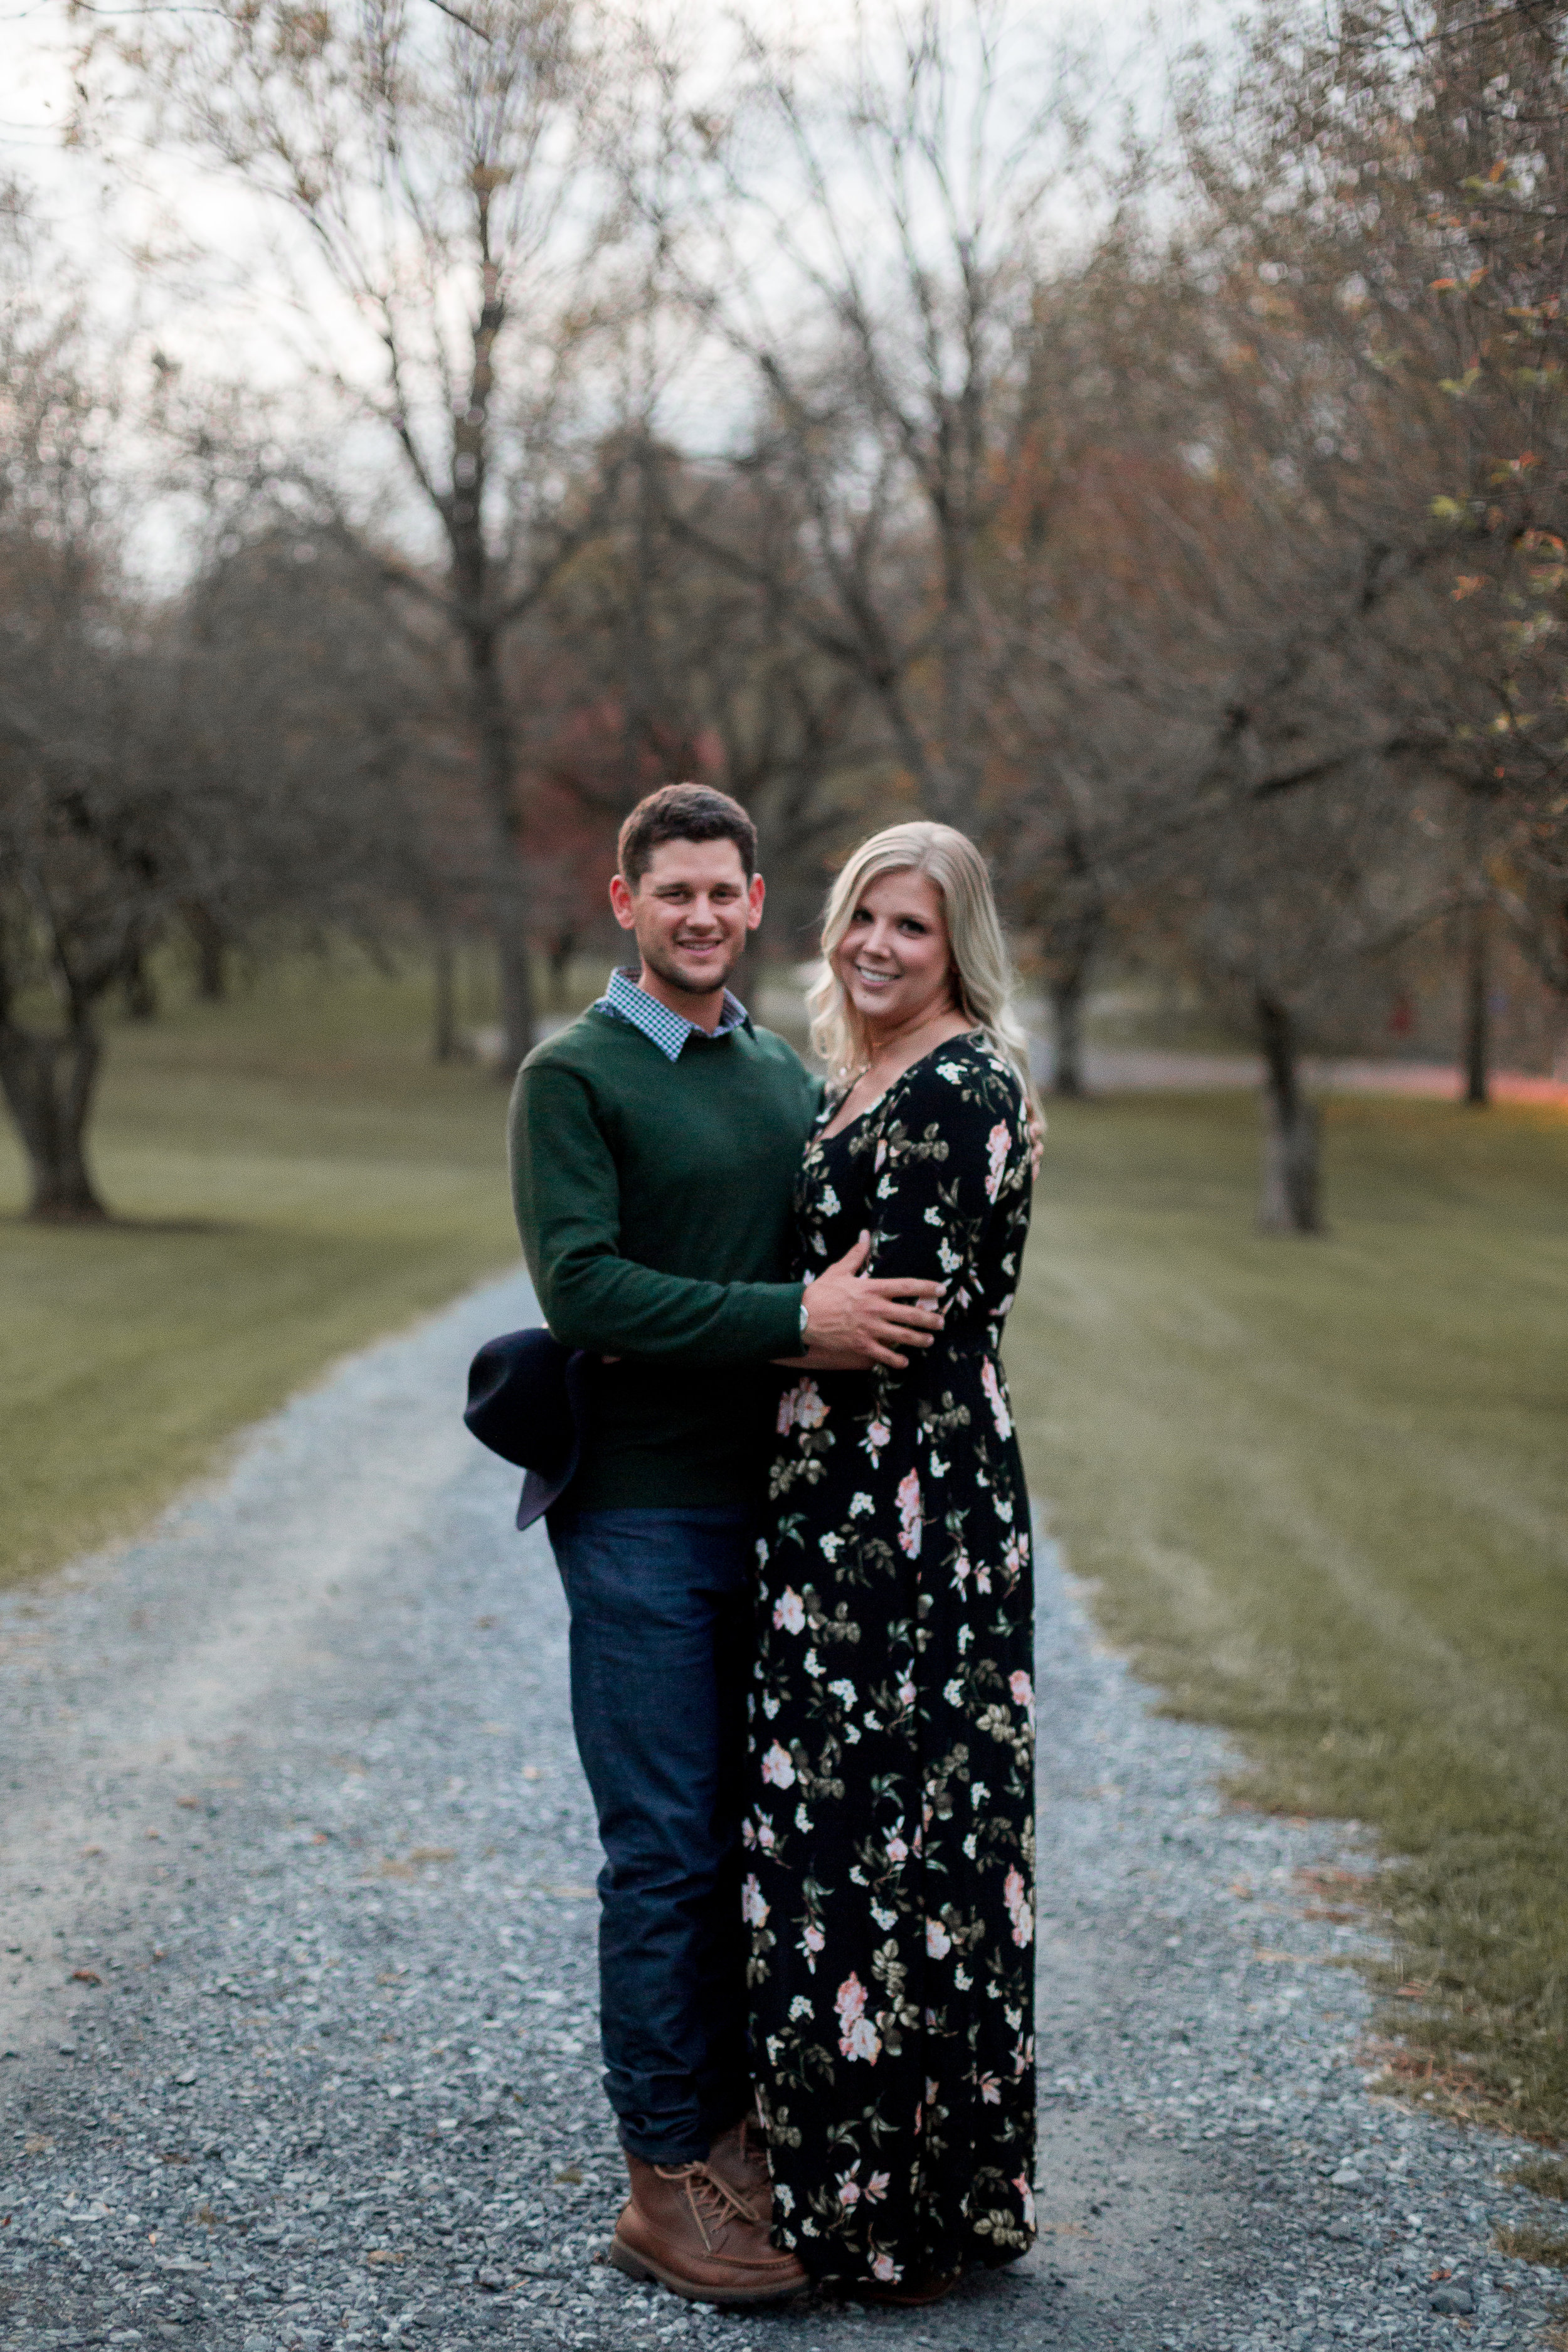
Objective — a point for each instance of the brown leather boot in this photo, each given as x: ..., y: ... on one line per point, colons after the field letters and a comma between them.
x: 688, y: 2229
x: 740, y: 2157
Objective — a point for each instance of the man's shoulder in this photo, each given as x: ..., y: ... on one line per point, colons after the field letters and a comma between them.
x: 583, y: 1044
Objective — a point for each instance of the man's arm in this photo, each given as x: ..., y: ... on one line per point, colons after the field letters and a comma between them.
x: 566, y: 1192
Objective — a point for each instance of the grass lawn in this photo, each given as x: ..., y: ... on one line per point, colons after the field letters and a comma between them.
x: 1322, y: 1487
x: 295, y: 1177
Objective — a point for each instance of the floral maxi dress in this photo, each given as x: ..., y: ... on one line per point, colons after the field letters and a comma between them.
x: 889, y: 1831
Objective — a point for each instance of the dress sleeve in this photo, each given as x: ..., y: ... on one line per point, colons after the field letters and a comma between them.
x: 951, y: 1154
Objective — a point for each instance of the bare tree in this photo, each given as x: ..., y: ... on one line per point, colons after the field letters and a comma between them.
x: 901, y: 213
x: 445, y: 171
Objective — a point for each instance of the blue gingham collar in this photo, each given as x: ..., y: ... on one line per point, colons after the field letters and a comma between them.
x: 625, y: 1001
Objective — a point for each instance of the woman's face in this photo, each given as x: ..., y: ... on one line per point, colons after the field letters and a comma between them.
x: 895, y: 961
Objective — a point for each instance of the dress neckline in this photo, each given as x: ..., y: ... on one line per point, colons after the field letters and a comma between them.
x: 964, y: 1037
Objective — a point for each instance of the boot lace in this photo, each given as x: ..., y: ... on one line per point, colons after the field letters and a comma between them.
x: 714, y: 2204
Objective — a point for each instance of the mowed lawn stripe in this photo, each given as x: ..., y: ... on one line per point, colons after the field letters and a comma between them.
x: 1322, y: 1489
x: 295, y: 1179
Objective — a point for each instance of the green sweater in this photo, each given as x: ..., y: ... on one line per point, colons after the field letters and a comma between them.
x: 653, y: 1202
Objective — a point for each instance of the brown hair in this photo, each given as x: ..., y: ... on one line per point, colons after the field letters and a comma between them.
x: 683, y: 813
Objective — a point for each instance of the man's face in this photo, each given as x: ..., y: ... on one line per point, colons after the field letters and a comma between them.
x: 690, y: 913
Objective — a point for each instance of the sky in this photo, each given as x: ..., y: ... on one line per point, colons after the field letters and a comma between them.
x: 237, y: 296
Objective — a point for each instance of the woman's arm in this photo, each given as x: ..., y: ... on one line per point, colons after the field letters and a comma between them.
x: 954, y: 1145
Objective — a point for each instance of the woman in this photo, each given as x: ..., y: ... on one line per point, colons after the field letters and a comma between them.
x: 890, y: 1824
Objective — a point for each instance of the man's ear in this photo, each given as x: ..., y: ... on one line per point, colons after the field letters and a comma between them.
x: 623, y: 902
x: 756, y: 893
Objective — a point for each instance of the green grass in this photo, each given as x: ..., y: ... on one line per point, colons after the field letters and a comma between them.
x: 1322, y: 1487
x: 295, y: 1177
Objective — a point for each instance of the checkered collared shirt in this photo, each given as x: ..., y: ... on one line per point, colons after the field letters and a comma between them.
x: 625, y: 1001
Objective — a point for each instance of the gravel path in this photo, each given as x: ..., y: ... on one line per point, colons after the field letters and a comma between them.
x: 297, y: 1995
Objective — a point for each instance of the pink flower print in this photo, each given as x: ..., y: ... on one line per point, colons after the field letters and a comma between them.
x: 778, y: 1767
x: 996, y: 1147
x: 801, y: 1408
x: 859, y: 2037
x: 876, y: 1435
x: 991, y: 2090
x: 897, y: 1849
x: 999, y: 1412
x: 1020, y: 1910
x: 848, y: 2186
x: 877, y: 2185
x: 886, y: 2268
x: 1023, y: 1691
x: 849, y: 2000
x: 939, y: 1943
x: 1026, y: 2199
x: 766, y: 1838
x: 962, y: 1572
x: 910, y: 1514
x: 811, y: 1943
x: 754, y: 1907
x: 789, y: 1611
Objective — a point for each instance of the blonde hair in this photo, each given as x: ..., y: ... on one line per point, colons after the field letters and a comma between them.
x: 983, y: 977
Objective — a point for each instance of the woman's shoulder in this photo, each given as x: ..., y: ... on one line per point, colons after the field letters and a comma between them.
x: 965, y: 1078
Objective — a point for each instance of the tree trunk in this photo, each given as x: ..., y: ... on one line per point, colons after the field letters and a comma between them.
x: 562, y: 947
x: 1073, y: 929
x: 1291, y: 1127
x: 48, y: 1085
x: 1066, y: 1015
x: 1477, y: 1011
x: 140, y: 992
x: 505, y: 886
x: 211, y: 947
x: 444, y: 1033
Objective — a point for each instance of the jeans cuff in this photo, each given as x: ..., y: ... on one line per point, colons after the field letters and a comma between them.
x: 675, y: 2150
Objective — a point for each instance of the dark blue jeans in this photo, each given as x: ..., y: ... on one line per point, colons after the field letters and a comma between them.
x: 661, y: 1652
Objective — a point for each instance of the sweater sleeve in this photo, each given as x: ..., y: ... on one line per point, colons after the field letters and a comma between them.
x: 566, y: 1192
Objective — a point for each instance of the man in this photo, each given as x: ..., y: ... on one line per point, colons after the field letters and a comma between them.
x: 654, y: 1144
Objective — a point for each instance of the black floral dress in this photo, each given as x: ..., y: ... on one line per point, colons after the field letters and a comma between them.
x: 890, y: 1828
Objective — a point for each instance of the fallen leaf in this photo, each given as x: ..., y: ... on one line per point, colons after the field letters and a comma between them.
x: 86, y: 1975
x: 189, y: 1804
x: 383, y: 2254
x: 571, y: 2174
x: 568, y: 1893
x: 154, y: 1834
x: 531, y: 1772
x: 89, y: 1850
x: 432, y: 1854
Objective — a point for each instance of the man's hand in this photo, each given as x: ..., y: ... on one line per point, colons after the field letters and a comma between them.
x: 851, y: 1314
